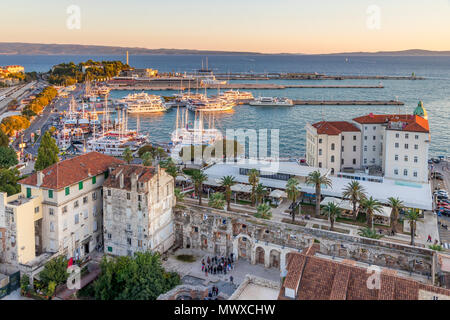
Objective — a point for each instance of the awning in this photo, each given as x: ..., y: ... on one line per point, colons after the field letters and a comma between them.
x: 182, y: 178
x: 241, y: 188
x: 348, y: 205
x: 278, y: 194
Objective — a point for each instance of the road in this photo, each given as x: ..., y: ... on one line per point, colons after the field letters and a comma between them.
x: 16, y: 92
x: 444, y: 168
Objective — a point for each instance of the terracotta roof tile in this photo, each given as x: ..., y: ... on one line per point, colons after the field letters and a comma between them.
x: 413, y: 123
x: 334, y: 128
x: 144, y: 174
x: 71, y: 171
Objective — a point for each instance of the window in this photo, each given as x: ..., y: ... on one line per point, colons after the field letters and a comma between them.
x: 396, y: 144
x: 77, y: 218
x: 110, y: 249
x: 109, y: 236
x: 406, y: 146
x: 416, y: 147
x: 416, y: 159
x: 94, y: 195
x: 397, y: 135
x: 50, y: 194
x: 354, y: 161
x: 396, y: 172
x: 140, y: 243
x: 128, y: 196
x: 374, y: 148
x: 416, y: 137
x: 365, y: 161
x: 354, y: 148
x: 342, y: 148
x: 396, y: 157
x: 354, y: 138
x: 374, y: 138
x: 332, y: 158
x: 365, y: 128
x: 342, y: 138
x: 51, y: 211
x: 332, y: 146
x: 75, y: 204
x: 52, y: 227
x: 86, y: 214
x: 320, y: 152
x: 374, y: 128
x: 320, y: 164
x: 36, y: 210
x: 406, y: 135
x: 405, y: 172
x: 406, y: 158
x: 415, y: 174
x: 109, y: 193
x: 94, y: 179
x: 95, y: 226
x: 28, y: 192
x: 128, y: 227
x: 67, y: 191
x: 80, y: 185
x: 64, y: 209
x: 342, y: 161
x: 320, y: 140
x: 85, y: 200
x: 365, y: 137
x: 139, y: 197
x: 365, y: 148
x: 129, y: 241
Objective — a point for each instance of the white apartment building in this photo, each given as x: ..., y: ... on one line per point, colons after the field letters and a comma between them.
x: 138, y: 215
x: 335, y: 145
x: 68, y: 202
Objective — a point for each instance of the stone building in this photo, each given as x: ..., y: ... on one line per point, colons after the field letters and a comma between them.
x: 58, y: 211
x: 269, y: 243
x: 138, y: 216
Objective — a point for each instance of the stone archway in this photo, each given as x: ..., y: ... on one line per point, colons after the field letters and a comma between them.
x: 274, y: 259
x: 260, y: 255
x: 242, y: 247
x: 188, y: 242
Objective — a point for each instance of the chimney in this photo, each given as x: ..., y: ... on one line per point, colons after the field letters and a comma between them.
x: 40, y: 178
x: 121, y: 177
x: 134, y: 180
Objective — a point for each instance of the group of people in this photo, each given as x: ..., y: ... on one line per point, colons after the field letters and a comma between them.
x: 218, y: 265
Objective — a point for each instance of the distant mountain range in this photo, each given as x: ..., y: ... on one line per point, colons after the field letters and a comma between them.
x: 16, y: 48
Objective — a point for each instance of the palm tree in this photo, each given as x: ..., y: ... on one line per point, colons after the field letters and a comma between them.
x: 127, y: 155
x: 264, y: 211
x: 160, y: 153
x: 293, y: 192
x: 147, y: 159
x: 253, y: 179
x: 217, y: 201
x: 179, y: 196
x: 355, y: 193
x: 317, y: 180
x: 371, y: 206
x: 260, y: 193
x: 333, y: 212
x: 369, y: 233
x: 412, y: 215
x: 396, y: 204
x: 198, y: 177
x: 228, y: 182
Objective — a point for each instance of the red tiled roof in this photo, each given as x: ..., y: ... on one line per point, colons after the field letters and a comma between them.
x: 71, y: 171
x: 319, y: 278
x: 333, y: 128
x: 413, y: 123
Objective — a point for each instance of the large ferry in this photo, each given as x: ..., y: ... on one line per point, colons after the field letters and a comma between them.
x: 115, y: 142
x: 144, y: 103
x: 272, y: 102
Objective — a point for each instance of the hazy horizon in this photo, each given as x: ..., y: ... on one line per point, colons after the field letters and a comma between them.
x: 282, y: 26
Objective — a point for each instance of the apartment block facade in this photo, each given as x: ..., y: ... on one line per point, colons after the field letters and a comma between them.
x: 59, y: 210
x: 138, y: 210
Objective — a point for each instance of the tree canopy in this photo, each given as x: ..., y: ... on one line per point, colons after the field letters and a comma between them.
x: 55, y: 271
x: 8, y: 181
x: 8, y: 157
x: 140, y: 277
x: 47, y: 153
x: 4, y: 140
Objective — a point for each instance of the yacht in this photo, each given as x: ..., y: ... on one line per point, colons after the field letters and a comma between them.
x: 143, y: 103
x: 236, y: 95
x: 115, y: 142
x: 210, y: 105
x: 272, y: 102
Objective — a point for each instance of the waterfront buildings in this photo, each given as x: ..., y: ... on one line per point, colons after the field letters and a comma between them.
x: 138, y: 203
x: 5, y: 71
x: 59, y: 210
x: 395, y: 146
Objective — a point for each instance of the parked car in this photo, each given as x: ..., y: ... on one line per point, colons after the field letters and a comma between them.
x: 435, y: 160
x: 430, y: 161
x: 437, y: 176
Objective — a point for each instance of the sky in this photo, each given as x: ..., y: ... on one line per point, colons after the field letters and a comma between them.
x: 269, y: 26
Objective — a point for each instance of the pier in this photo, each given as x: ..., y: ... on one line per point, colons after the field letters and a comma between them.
x: 243, y: 86
x: 348, y: 103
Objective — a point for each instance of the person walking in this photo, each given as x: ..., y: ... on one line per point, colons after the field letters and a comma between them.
x: 231, y: 279
x: 429, y: 239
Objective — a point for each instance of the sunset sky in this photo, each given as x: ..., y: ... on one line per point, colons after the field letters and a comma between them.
x: 294, y: 26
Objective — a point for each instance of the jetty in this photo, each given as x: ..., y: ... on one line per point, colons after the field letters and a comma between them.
x: 348, y: 103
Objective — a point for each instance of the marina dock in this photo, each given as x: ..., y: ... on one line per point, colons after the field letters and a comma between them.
x: 348, y: 103
x: 244, y: 86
